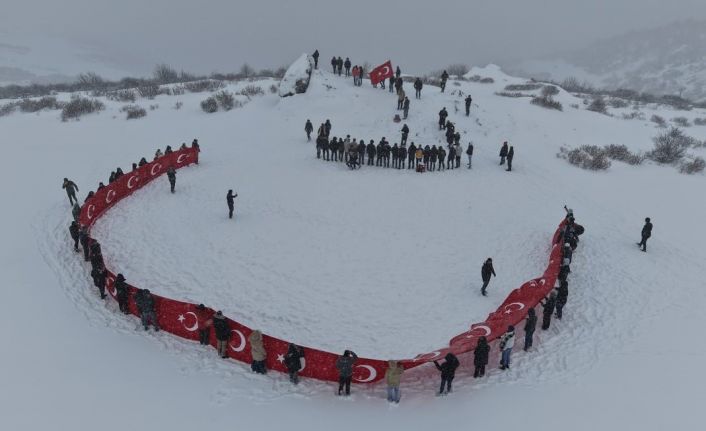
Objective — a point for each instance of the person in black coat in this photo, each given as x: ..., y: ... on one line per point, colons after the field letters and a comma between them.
x: 100, y: 275
x: 549, y: 304
x: 334, y: 64
x: 468, y: 101
x: 371, y: 153
x: 339, y: 65
x: 448, y: 372
x: 85, y: 239
x: 510, y: 156
x: 347, y: 65
x: 405, y: 133
x: 293, y: 362
x: 171, y: 174
x: 308, y: 128
x: 398, y: 72
x: 222, y: 330
x: 74, y: 230
x: 646, y: 234
x: 486, y: 271
x: 405, y: 107
x: 145, y: 303
x: 230, y: 200
x: 442, y: 118
x: 530, y: 326
x: 480, y: 357
x: 562, y: 295
x: 391, y: 84
x: 315, y: 55
x: 410, y: 155
x: 121, y: 293
x: 418, y: 88
x: 444, y: 78
x: 503, y: 153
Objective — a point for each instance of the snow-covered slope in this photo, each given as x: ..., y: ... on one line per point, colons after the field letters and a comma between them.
x: 665, y: 60
x: 377, y: 260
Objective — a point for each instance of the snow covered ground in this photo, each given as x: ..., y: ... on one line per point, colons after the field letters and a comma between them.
x: 383, y: 262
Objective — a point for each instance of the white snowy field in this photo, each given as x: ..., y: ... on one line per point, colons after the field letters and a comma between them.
x: 381, y: 261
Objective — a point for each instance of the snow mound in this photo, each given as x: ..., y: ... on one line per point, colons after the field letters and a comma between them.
x: 296, y: 79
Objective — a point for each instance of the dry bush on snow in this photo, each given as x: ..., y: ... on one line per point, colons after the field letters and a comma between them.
x: 225, y: 100
x: 29, y: 105
x: 547, y: 102
x: 618, y: 103
x: 523, y: 87
x: 121, y: 95
x: 598, y: 105
x: 693, y: 166
x: 210, y: 105
x: 549, y: 90
x: 133, y: 111
x: 79, y: 106
x: 621, y: 153
x: 659, y: 121
x: 590, y: 157
x: 204, y: 85
x: 681, y: 121
x: 251, y: 91
x: 511, y: 94
x: 670, y: 147
x: 700, y: 121
x: 273, y: 89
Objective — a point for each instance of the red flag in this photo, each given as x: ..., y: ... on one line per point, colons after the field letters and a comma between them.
x: 381, y: 73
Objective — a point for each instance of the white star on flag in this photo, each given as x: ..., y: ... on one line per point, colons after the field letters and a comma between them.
x: 181, y: 318
x: 280, y: 358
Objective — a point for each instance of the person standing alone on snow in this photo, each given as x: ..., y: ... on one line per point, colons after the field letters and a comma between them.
x: 468, y: 101
x: 230, y: 200
x: 444, y: 77
x: 171, y: 175
x: 315, y: 55
x: 507, y: 341
x: 308, y: 128
x: 418, y: 88
x: 480, y: 357
x: 393, y: 375
x: 71, y: 189
x: 469, y: 153
x: 448, y: 372
x: 646, y: 234
x: 530, y: 326
x: 344, y: 365
x: 486, y: 271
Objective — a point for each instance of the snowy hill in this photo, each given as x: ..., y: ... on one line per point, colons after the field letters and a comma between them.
x: 665, y: 60
x: 381, y: 261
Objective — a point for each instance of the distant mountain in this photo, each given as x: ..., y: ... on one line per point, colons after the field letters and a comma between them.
x: 665, y: 60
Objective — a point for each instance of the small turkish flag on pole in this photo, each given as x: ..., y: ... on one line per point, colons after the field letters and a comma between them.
x: 381, y: 73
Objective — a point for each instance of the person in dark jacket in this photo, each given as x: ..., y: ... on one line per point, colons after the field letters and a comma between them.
x: 85, y: 239
x: 448, y: 372
x: 293, y: 362
x: 503, y: 153
x: 76, y: 211
x: 418, y: 88
x: 530, y: 326
x: 468, y: 101
x: 371, y: 153
x: 119, y: 172
x: 549, y: 304
x: 222, y: 329
x: 405, y: 133
x: 442, y: 118
x: 469, y: 154
x: 339, y: 65
x: 486, y: 271
x: 71, y: 189
x: 171, y: 175
x: 100, y: 275
x: 334, y: 64
x: 308, y: 128
x: 480, y: 357
x: 230, y: 200
x: 442, y: 157
x: 510, y: 156
x: 315, y: 55
x: 398, y: 72
x: 142, y: 162
x: 347, y: 65
x: 327, y: 128
x: 444, y: 77
x: 74, y: 230
x: 361, y: 151
x: 204, y: 320
x: 405, y: 107
x: 410, y: 155
x: 391, y: 84
x: 646, y: 234
x: 562, y: 295
x: 344, y: 365
x: 121, y: 293
x: 146, y: 306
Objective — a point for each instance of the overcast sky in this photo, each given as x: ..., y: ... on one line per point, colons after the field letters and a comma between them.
x: 420, y: 35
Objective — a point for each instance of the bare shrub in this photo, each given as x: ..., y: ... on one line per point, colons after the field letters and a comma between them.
x: 670, y: 147
x: 225, y: 100
x: 549, y: 90
x: 573, y: 85
x: 547, y: 102
x: 511, y: 94
x: 588, y: 157
x: 693, y: 166
x: 204, y: 85
x: 246, y: 71
x: 487, y: 80
x: 458, y: 69
x: 634, y: 115
x: 681, y: 121
x: 700, y: 121
x: 618, y: 103
x: 598, y: 105
x: 210, y: 105
x: 251, y: 91
x: 7, y: 109
x: 621, y: 153
x: 178, y: 90
x: 273, y: 89
x: 575, y: 105
x: 79, y: 106
x: 523, y: 87
x: 150, y: 91
x: 133, y: 111
x: 91, y: 81
x: 660, y: 121
x: 48, y: 102
x: 121, y: 95
x: 165, y: 74
x: 279, y: 73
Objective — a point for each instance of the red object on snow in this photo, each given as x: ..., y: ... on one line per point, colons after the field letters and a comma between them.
x: 381, y: 73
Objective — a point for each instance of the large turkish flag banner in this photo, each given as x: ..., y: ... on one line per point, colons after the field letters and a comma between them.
x: 381, y: 73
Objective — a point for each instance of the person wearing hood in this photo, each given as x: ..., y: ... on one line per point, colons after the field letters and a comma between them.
x: 549, y: 305
x: 167, y: 150
x: 293, y: 362
x: 100, y: 275
x: 405, y: 133
x: 530, y: 326
x: 444, y: 77
x: 334, y: 64
x: 393, y: 375
x: 308, y: 128
x: 85, y: 239
x: 344, y: 365
x: 158, y: 154
x: 468, y: 101
x: 507, y: 341
x: 480, y: 357
x: 222, y: 328
x: 485, y: 272
x: 74, y: 230
x: 171, y: 175
x: 203, y: 321
x: 121, y: 293
x: 347, y: 65
x: 71, y: 189
x: 448, y: 372
x: 469, y: 153
x: 230, y: 200
x: 562, y: 295
x: 315, y: 56
x: 646, y: 234
x: 76, y: 211
x: 510, y: 156
x: 442, y: 118
x: 147, y: 308
x: 258, y: 353
x: 503, y: 153
x: 405, y: 107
